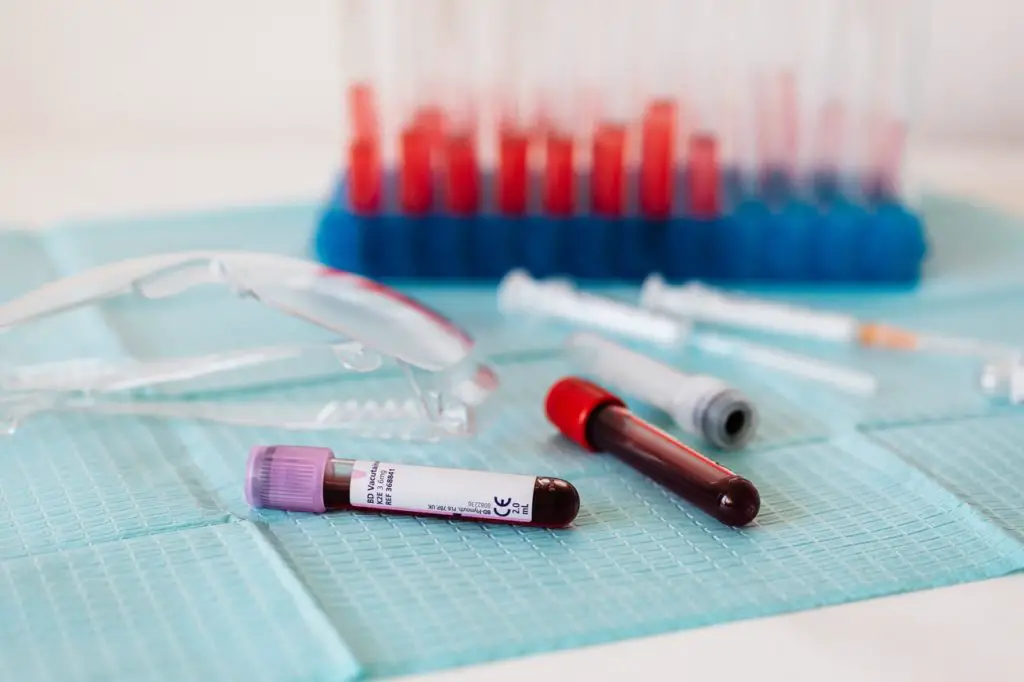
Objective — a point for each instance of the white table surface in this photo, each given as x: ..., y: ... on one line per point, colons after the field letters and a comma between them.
x: 967, y: 632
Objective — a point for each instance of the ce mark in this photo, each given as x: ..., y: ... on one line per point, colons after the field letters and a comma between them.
x: 500, y: 507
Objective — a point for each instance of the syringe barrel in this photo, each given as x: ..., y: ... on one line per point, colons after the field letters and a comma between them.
x: 700, y: 404
x: 518, y: 292
x: 705, y: 304
x: 312, y: 479
x: 844, y: 378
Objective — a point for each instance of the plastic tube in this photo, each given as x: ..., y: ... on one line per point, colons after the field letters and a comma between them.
x: 559, y: 111
x: 614, y: 57
x: 702, y: 405
x: 363, y: 150
x: 516, y: 105
x: 845, y: 379
x: 311, y: 479
x: 598, y: 421
x: 464, y: 62
x: 663, y: 74
x: 703, y: 174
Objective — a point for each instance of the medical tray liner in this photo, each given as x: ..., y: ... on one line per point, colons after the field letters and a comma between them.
x: 127, y: 550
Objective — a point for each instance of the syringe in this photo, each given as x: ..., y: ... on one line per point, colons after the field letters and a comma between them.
x: 559, y: 299
x: 698, y: 302
x: 699, y: 404
x: 520, y: 293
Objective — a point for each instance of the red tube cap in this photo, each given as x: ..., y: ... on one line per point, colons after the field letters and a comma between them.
x: 570, y: 403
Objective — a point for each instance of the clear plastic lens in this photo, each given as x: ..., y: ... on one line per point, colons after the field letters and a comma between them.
x: 389, y: 334
x: 403, y: 419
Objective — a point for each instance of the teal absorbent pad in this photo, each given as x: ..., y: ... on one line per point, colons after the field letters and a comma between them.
x: 127, y: 550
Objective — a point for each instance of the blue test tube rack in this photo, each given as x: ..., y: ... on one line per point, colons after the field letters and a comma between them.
x: 826, y: 237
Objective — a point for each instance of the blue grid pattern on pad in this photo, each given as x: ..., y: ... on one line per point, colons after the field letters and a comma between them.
x: 843, y: 518
x: 412, y: 594
x: 978, y: 460
x: 839, y: 522
x: 202, y: 604
x: 68, y: 481
x: 799, y: 242
x: 912, y: 387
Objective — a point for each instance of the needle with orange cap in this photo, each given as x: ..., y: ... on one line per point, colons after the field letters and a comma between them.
x: 702, y: 303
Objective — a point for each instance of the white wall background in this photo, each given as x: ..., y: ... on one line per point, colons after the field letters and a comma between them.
x: 268, y: 70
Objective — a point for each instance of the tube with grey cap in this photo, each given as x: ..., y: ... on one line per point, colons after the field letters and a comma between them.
x: 699, y: 404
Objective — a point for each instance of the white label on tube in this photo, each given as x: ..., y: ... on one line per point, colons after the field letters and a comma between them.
x: 444, y: 492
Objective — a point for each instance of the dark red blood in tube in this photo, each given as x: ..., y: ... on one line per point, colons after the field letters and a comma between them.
x: 703, y: 176
x: 559, y: 176
x: 462, y: 178
x: 415, y: 175
x: 362, y: 111
x: 657, y: 153
x: 512, y: 172
x: 599, y: 421
x: 608, y: 175
x: 364, y: 177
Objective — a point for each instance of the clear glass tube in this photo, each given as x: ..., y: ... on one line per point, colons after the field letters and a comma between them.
x: 900, y: 27
x: 711, y: 487
x: 699, y: 404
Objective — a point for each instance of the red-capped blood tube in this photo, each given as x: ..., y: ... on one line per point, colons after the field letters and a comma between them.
x: 311, y: 479
x: 364, y: 175
x: 559, y: 176
x: 462, y: 177
x: 657, y: 151
x: 362, y: 111
x: 599, y: 421
x: 512, y: 172
x: 416, y: 172
x: 608, y: 175
x: 703, y: 178
x: 364, y: 166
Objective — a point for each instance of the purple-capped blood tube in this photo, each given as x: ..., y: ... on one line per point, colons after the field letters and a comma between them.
x: 312, y: 479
